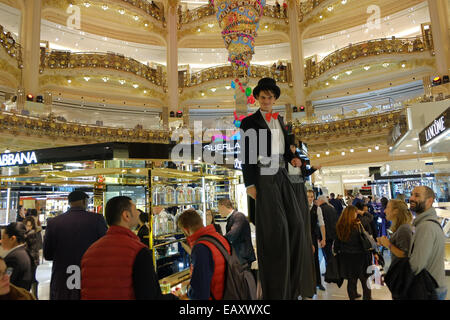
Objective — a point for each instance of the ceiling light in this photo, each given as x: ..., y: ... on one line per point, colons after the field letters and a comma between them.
x: 348, y: 72
x: 390, y: 148
x: 377, y: 148
x: 266, y: 26
x: 138, y: 170
x: 135, y: 86
x: 344, y: 1
x: 121, y: 81
x: 366, y: 68
x: 136, y: 18
x: 409, y: 145
x: 105, y: 7
x: 7, y: 151
x: 327, y: 83
x: 385, y: 64
x: 415, y: 139
x: 343, y: 153
x: 203, y: 94
x: 321, y: 17
x: 352, y: 150
x: 227, y: 87
x: 198, y: 30
x: 87, y: 4
x: 105, y: 79
x: 370, y: 150
x: 146, y: 24
x: 335, y: 77
x: 211, y: 25
x: 121, y: 11
x: 330, y: 8
x: 403, y: 65
x: 327, y: 152
x: 87, y: 78
x: 318, y: 155
x: 213, y: 89
x: 69, y: 81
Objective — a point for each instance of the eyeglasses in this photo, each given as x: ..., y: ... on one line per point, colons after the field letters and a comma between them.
x: 8, y: 272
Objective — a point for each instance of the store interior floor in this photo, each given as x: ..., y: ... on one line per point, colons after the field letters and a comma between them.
x: 332, y: 291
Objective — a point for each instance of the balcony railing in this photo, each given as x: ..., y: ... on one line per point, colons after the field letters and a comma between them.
x: 366, y: 49
x: 49, y: 126
x: 226, y: 71
x: 111, y: 61
x: 12, y: 48
x: 351, y: 126
x: 148, y: 6
x: 207, y: 10
x: 306, y: 7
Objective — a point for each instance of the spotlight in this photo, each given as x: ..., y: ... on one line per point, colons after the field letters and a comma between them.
x: 30, y: 97
x: 172, y: 114
x: 39, y: 99
x: 302, y: 108
x: 437, y: 81
x: 179, y: 114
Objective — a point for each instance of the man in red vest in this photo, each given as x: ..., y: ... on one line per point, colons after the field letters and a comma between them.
x: 208, y: 264
x: 119, y: 266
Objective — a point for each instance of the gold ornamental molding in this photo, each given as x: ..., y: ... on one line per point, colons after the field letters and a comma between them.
x: 367, y: 49
x: 109, y: 61
x: 49, y: 126
x: 226, y: 72
x: 348, y: 129
x: 11, y: 47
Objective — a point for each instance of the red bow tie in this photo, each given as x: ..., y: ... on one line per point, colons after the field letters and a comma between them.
x: 269, y: 116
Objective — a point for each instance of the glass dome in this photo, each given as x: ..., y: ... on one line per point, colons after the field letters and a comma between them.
x: 170, y: 195
x: 158, y: 195
x: 190, y: 195
x: 198, y: 194
x: 181, y: 194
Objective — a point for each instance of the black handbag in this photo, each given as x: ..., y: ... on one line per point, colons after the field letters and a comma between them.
x: 368, y: 243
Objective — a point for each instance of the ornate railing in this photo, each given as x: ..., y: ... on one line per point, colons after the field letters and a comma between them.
x: 51, y: 127
x: 12, y: 48
x: 111, y: 61
x: 368, y: 123
x: 149, y: 7
x: 226, y: 71
x: 366, y: 49
x: 306, y: 7
x: 188, y: 16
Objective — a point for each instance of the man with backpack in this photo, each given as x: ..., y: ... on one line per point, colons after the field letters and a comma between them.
x: 215, y: 270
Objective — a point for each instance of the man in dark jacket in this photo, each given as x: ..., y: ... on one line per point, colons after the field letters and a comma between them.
x: 336, y: 203
x: 67, y: 238
x: 366, y: 219
x: 238, y: 232
x: 330, y: 217
x: 119, y: 266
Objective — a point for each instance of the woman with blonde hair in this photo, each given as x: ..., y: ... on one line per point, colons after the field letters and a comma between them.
x: 397, y: 211
x: 353, y: 258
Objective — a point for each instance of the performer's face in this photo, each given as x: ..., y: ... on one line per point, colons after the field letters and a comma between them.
x: 266, y: 100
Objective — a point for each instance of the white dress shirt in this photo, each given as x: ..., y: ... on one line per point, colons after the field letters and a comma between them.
x: 277, y: 132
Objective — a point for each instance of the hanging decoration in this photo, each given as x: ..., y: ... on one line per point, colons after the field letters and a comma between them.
x: 239, y: 21
x: 247, y: 91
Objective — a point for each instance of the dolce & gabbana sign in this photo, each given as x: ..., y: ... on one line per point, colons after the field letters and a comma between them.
x: 435, y: 129
x: 17, y: 158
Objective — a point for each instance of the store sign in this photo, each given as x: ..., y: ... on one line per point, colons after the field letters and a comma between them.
x: 224, y: 148
x: 435, y: 129
x: 17, y: 159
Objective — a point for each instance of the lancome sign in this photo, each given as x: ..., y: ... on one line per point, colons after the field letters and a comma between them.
x: 17, y: 158
x: 435, y: 129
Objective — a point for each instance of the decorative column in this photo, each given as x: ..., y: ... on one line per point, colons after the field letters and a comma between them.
x: 288, y: 111
x: 165, y: 118
x: 29, y: 38
x: 186, y: 116
x: 298, y: 68
x: 439, y: 28
x: 309, y: 109
x: 172, y: 55
x: 48, y: 102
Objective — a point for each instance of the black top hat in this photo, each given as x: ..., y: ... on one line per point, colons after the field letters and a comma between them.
x: 267, y: 84
x: 77, y: 195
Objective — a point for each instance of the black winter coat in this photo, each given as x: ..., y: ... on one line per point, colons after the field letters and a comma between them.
x: 23, y: 267
x: 67, y: 238
x: 239, y: 235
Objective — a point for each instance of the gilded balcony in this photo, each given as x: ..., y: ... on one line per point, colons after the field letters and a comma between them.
x: 306, y: 7
x: 366, y: 49
x: 109, y: 61
x: 51, y: 127
x: 11, y: 47
x: 189, y: 16
x: 226, y: 72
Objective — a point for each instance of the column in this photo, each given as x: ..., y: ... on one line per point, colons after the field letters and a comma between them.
x: 186, y: 116
x: 288, y: 110
x: 172, y: 55
x: 30, y: 37
x: 298, y: 68
x: 439, y: 28
x: 165, y: 118
x: 309, y: 109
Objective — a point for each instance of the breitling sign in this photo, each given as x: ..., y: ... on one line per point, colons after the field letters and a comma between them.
x: 17, y: 158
